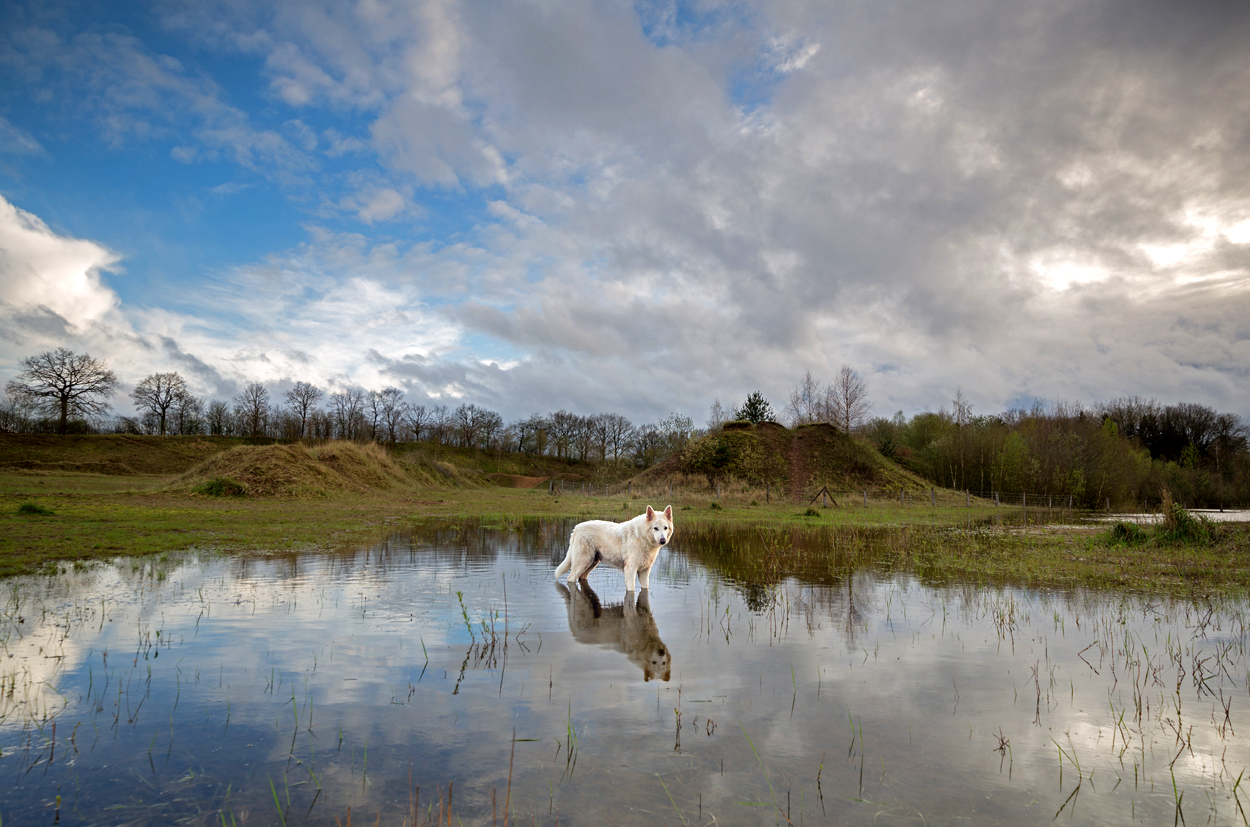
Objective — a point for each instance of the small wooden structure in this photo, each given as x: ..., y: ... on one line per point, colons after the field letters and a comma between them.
x: 825, y: 496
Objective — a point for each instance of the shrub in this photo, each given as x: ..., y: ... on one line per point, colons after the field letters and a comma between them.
x: 1126, y: 534
x: 34, y: 509
x: 220, y: 487
x: 1180, y: 526
x: 811, y: 512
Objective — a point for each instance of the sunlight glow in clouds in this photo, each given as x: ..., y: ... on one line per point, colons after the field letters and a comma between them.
x: 51, y: 275
x: 638, y: 208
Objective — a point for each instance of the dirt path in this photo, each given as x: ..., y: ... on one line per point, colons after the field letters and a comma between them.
x: 799, y: 470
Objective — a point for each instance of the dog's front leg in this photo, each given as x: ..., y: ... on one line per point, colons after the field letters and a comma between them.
x: 631, y: 573
x: 644, y: 578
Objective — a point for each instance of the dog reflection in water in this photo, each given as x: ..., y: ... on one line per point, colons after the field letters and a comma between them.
x: 628, y: 627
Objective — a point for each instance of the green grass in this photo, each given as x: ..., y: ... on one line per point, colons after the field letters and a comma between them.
x: 53, y: 516
x: 219, y: 487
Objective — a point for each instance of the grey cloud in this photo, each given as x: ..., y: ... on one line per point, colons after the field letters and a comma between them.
x: 197, y: 369
x: 21, y: 324
x: 925, y: 197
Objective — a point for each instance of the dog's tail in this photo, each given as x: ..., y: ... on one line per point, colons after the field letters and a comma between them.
x: 566, y: 564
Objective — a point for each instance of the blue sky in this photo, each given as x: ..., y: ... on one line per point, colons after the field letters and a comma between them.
x: 640, y: 208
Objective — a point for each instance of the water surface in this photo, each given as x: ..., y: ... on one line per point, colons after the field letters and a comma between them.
x: 287, y: 689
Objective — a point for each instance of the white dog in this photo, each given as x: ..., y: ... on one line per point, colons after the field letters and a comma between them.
x: 631, y: 546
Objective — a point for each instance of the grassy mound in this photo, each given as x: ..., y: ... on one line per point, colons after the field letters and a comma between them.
x: 109, y: 454
x: 296, y: 471
x: 799, y: 460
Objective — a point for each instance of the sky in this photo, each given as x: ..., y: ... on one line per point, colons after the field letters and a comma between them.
x: 636, y: 208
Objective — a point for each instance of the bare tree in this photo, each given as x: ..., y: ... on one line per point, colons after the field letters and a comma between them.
x: 474, y: 425
x: 440, y: 424
x: 678, y: 430
x: 619, y: 433
x: 562, y: 428
x: 649, y: 445
x: 303, y: 399
x: 417, y: 419
x: 320, y: 425
x: 717, y: 416
x: 64, y: 383
x: 17, y: 414
x: 806, y: 403
x: 393, y: 408
x: 491, y: 428
x: 251, y: 409
x: 848, y: 405
x: 347, y: 407
x: 219, y: 420
x: 597, y: 435
x: 188, y: 414
x: 157, y: 394
x: 532, y: 434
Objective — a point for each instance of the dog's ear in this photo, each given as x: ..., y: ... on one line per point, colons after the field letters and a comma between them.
x: 668, y: 513
x: 651, y: 513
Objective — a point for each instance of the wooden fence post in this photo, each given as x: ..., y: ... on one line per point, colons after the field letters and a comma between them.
x: 865, y: 498
x: 933, y: 497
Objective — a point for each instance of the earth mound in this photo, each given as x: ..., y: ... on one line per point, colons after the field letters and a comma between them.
x: 798, y: 461
x: 296, y: 471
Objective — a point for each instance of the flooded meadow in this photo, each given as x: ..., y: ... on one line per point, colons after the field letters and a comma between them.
x: 445, y: 676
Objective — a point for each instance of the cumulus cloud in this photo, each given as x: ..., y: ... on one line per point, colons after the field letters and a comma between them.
x: 1019, y: 199
x: 52, y: 283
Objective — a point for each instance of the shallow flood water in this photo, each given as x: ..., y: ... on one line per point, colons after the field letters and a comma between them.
x: 288, y: 689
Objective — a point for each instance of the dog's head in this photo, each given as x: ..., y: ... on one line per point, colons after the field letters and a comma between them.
x: 658, y: 663
x: 660, y: 525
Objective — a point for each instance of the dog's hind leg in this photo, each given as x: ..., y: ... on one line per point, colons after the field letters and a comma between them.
x: 594, y: 561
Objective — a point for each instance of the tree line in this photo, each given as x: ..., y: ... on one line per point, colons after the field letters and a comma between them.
x: 64, y: 392
x: 1126, y: 450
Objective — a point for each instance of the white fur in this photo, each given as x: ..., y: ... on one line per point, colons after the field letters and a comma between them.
x: 628, y: 628
x: 631, y: 546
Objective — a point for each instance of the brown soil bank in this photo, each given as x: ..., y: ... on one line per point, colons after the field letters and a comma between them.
x: 114, y: 454
x: 798, y: 461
